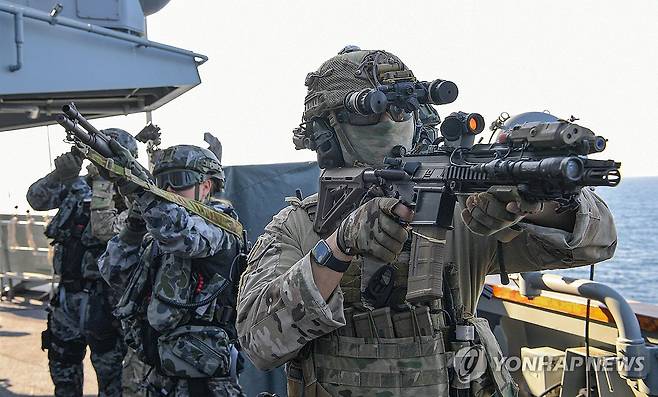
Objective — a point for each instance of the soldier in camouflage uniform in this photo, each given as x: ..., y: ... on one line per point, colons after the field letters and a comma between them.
x: 179, y: 276
x: 314, y: 301
x: 108, y: 216
x: 80, y: 314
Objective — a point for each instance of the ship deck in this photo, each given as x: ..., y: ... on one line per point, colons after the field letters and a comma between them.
x: 23, y: 366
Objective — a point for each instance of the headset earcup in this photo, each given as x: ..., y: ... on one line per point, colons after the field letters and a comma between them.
x: 327, y: 145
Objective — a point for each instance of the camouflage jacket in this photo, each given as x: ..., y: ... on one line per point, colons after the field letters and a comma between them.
x: 173, y: 230
x: 280, y: 308
x: 48, y: 193
x: 75, y: 251
x: 106, y: 220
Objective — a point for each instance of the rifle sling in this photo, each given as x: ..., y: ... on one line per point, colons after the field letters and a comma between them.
x: 211, y: 215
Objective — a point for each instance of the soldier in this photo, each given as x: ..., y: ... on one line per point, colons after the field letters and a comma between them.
x: 179, y: 273
x: 300, y: 289
x: 80, y: 314
x: 108, y: 216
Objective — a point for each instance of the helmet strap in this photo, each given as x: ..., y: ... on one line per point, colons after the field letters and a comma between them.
x: 343, y: 140
x: 196, y: 192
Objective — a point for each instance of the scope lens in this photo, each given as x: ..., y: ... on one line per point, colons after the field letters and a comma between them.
x: 599, y: 144
x: 475, y: 123
x: 452, y: 128
x: 375, y: 102
x: 572, y: 168
x: 443, y: 92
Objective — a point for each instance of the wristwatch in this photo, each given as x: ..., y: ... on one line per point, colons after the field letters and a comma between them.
x: 323, y: 256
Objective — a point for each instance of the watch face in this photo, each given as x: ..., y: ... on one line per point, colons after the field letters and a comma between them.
x: 321, y: 252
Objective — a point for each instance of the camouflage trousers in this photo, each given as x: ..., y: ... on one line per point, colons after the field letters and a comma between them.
x: 67, y: 343
x: 164, y: 386
x: 133, y: 375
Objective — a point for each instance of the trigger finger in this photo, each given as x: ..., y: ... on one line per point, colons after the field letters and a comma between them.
x: 471, y: 202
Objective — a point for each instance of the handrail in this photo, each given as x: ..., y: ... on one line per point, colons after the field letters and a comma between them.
x: 630, y: 342
x: 22, y: 12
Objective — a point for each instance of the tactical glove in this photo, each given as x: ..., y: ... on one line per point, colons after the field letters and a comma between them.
x: 487, y: 213
x: 135, y: 227
x: 373, y: 229
x: 67, y: 166
x: 92, y: 172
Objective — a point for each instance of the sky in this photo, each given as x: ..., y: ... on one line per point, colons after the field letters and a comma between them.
x: 596, y: 60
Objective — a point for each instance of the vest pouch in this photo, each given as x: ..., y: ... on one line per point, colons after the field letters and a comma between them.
x: 505, y: 385
x: 193, y: 351
x: 411, y: 366
x: 172, y: 291
x: 135, y: 293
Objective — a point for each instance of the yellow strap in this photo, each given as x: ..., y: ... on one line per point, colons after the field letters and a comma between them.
x: 210, y: 214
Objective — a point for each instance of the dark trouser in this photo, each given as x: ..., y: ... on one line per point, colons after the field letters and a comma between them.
x: 67, y: 347
x: 161, y: 386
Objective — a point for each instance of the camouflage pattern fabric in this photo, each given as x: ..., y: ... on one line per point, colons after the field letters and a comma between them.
x: 373, y: 229
x: 78, y: 319
x: 48, y: 192
x: 280, y: 309
x: 176, y: 237
x: 175, y: 231
x: 106, y: 220
x: 133, y: 375
x: 68, y: 349
x: 195, y: 352
x: 162, y: 386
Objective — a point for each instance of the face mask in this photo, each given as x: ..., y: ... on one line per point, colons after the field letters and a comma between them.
x: 370, y: 144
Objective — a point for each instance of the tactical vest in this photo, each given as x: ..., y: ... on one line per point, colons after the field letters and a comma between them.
x: 392, y: 347
x: 179, y: 313
x: 76, y: 251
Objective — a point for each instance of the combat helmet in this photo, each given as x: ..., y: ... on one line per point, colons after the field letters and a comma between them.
x: 183, y: 166
x: 338, y: 124
x: 124, y: 138
x: 505, y: 122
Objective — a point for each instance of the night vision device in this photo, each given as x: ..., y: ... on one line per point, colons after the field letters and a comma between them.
x: 402, y: 96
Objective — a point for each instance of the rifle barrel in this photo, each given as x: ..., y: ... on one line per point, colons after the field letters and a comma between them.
x: 88, y: 139
x: 72, y: 112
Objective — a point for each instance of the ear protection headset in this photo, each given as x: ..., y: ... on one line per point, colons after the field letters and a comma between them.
x: 318, y: 135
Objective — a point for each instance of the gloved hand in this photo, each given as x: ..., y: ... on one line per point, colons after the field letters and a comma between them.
x: 375, y: 229
x: 489, y: 212
x: 67, y: 166
x: 93, y: 173
x: 135, y: 227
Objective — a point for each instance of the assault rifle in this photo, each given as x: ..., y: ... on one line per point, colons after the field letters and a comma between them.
x: 533, y: 161
x: 97, y: 147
